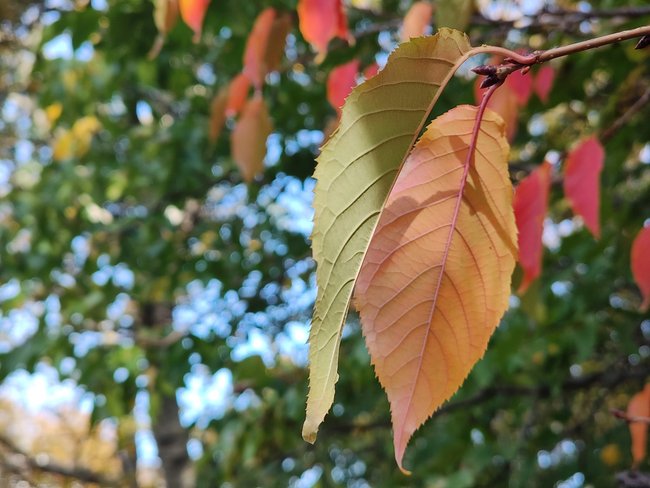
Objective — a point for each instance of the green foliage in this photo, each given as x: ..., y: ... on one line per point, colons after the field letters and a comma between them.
x: 152, y: 197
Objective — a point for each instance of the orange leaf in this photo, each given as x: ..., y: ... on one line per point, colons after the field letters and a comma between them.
x: 530, y: 205
x: 436, y: 278
x: 248, y: 139
x: 639, y: 406
x: 237, y: 94
x: 218, y: 114
x: 641, y: 265
x: 193, y: 13
x: 165, y: 15
x: 416, y: 20
x: 544, y: 82
x: 277, y: 40
x: 582, y: 181
x: 340, y: 83
x: 254, y: 62
x: 322, y: 20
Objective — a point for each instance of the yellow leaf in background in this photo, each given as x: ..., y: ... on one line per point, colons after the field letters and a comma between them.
x: 76, y: 141
x: 53, y: 112
x: 63, y: 147
x: 83, y: 130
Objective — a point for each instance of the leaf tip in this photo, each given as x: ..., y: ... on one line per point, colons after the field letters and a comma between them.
x: 309, y: 431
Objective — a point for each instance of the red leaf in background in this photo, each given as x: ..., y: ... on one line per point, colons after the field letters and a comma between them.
x: 416, y: 20
x: 340, y: 83
x: 248, y: 138
x: 521, y: 86
x: 641, y: 265
x: 320, y: 21
x: 237, y: 94
x: 530, y: 204
x: 370, y: 71
x: 582, y: 181
x: 544, y: 82
x: 639, y: 406
x: 193, y: 13
x: 254, y: 55
x: 217, y: 114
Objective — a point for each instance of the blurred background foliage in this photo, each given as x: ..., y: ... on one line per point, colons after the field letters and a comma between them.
x: 154, y: 308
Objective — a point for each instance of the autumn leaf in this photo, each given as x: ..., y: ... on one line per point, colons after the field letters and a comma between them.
x: 340, y: 83
x: 248, y: 138
x: 277, y: 40
x: 416, y: 20
x: 320, y: 21
x: 237, y: 94
x: 454, y: 13
x: 355, y: 171
x: 584, y: 164
x: 544, y: 82
x: 521, y: 85
x: 641, y: 265
x: 254, y: 55
x: 530, y: 205
x: 639, y: 406
x: 436, y: 278
x: 193, y: 13
x: 165, y: 15
x: 217, y: 114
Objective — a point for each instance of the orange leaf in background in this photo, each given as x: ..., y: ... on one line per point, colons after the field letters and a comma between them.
x: 193, y: 13
x: 248, y: 139
x: 544, y: 82
x: 641, y: 265
x: 237, y: 94
x: 254, y: 55
x: 218, y: 114
x: 530, y: 205
x: 584, y: 164
x: 322, y: 20
x: 416, y: 20
x: 436, y: 278
x: 639, y: 406
x: 165, y: 15
x: 340, y: 83
x: 277, y: 41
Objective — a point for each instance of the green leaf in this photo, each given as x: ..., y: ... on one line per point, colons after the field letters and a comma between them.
x: 356, y: 170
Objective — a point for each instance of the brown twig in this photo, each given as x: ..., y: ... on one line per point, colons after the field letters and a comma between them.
x: 627, y: 115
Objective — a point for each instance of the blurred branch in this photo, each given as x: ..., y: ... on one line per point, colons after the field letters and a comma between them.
x: 607, y: 378
x: 627, y: 115
x: 81, y: 474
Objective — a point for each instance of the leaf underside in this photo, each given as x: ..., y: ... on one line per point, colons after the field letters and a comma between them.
x: 436, y: 279
x: 355, y: 171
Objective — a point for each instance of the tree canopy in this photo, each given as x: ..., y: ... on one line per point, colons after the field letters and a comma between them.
x: 160, y: 241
